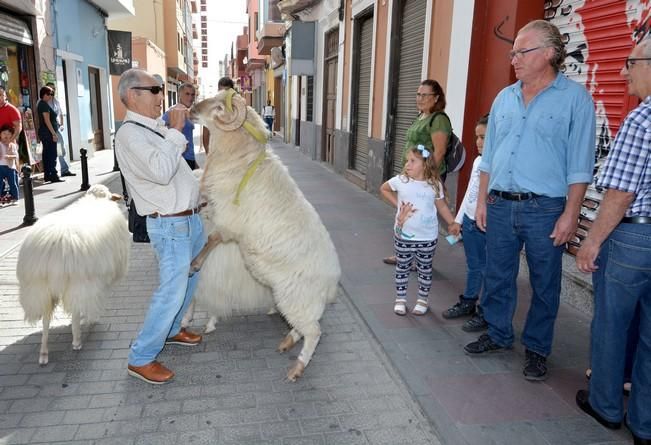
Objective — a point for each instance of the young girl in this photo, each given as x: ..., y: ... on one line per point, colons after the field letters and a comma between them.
x: 8, y: 160
x: 474, y: 246
x: 417, y: 195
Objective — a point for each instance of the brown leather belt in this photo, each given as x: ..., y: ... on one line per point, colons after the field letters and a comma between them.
x: 183, y: 213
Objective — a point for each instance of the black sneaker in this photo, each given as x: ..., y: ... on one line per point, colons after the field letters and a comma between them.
x: 462, y: 308
x: 68, y: 173
x: 484, y: 344
x: 476, y: 323
x: 583, y: 402
x: 535, y: 366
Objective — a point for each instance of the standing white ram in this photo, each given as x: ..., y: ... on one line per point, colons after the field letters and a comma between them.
x: 254, y: 202
x: 73, y: 257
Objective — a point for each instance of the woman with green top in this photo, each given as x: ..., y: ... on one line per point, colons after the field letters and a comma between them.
x: 432, y: 128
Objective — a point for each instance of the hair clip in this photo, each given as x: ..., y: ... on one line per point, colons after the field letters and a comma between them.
x: 425, y: 152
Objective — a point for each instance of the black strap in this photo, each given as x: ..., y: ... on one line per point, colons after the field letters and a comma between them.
x: 144, y: 126
x: 436, y: 113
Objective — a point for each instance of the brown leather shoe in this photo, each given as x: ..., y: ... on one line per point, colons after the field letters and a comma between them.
x: 154, y: 373
x: 184, y: 338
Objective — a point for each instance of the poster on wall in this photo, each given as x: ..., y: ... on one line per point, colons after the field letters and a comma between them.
x: 119, y: 49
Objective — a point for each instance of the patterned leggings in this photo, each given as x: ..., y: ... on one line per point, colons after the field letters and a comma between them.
x: 405, y: 252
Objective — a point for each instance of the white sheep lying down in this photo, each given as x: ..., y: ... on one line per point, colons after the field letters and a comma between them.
x: 72, y: 257
x: 275, y: 250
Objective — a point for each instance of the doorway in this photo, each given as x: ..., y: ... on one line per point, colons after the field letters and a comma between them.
x: 96, y: 108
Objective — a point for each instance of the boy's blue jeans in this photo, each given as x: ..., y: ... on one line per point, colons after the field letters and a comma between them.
x: 176, y: 241
x: 622, y: 292
x: 510, y: 225
x: 474, y: 246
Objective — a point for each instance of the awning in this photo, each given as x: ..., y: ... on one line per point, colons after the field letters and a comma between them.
x: 15, y: 30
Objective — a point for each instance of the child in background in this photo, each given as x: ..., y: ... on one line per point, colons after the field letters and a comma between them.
x: 474, y: 245
x: 417, y: 194
x: 8, y: 162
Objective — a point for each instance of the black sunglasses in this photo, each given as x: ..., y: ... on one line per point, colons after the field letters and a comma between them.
x: 153, y: 90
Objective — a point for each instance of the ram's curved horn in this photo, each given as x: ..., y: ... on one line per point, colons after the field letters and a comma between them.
x: 233, y: 114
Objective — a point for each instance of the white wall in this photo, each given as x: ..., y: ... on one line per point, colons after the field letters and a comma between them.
x: 458, y: 63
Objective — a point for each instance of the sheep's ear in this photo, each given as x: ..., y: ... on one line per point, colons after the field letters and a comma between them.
x: 230, y: 118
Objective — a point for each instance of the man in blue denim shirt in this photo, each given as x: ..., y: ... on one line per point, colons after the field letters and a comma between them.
x: 537, y: 163
x: 618, y: 253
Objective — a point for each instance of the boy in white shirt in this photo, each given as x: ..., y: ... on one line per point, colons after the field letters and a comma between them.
x: 8, y: 164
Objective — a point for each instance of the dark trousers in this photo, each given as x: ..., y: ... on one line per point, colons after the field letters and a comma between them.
x: 49, y: 154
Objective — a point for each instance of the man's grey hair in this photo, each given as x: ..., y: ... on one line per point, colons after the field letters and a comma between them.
x: 551, y: 38
x: 185, y: 85
x: 130, y: 78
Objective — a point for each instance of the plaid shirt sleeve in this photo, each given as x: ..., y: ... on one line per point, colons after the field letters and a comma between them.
x: 626, y: 165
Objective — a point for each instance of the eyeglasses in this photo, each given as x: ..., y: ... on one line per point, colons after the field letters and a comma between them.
x: 522, y: 52
x: 153, y: 90
x: 425, y: 94
x: 630, y: 61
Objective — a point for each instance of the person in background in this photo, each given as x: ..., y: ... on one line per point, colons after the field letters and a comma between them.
x: 223, y: 84
x: 56, y: 107
x: 474, y: 246
x: 431, y: 131
x: 150, y: 158
x: 268, y: 113
x: 537, y: 163
x: 187, y: 94
x: 9, y: 115
x: 47, y: 133
x: 617, y: 251
x: 8, y: 164
x: 418, y: 196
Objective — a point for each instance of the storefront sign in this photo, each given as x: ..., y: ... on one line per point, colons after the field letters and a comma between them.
x: 119, y: 48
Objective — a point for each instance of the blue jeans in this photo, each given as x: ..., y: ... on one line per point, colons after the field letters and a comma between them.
x: 11, y: 175
x: 622, y: 291
x: 270, y: 123
x: 176, y: 241
x: 510, y: 226
x: 474, y: 245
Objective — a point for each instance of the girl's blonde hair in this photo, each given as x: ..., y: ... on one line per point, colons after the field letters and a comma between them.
x: 430, y: 170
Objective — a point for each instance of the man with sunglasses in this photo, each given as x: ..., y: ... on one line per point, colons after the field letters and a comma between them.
x: 187, y: 94
x: 617, y: 252
x: 537, y: 163
x: 164, y: 188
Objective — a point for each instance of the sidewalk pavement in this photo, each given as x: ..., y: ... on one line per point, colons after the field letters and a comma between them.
x: 375, y: 377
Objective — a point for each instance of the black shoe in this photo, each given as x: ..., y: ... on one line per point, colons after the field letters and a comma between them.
x: 640, y: 441
x: 68, y: 173
x: 57, y: 179
x: 582, y: 402
x: 476, y: 323
x: 462, y: 308
x: 535, y: 366
x: 484, y: 344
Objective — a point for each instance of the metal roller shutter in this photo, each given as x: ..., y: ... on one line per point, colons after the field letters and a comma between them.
x: 360, y: 143
x: 412, y: 30
x: 598, y: 35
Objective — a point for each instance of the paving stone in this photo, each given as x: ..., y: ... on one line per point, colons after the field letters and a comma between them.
x: 320, y: 425
x: 55, y: 433
x: 80, y: 416
x: 305, y: 440
x: 16, y: 435
x: 240, y: 434
x: 157, y: 438
x: 280, y: 429
x: 203, y: 437
x: 43, y: 418
x: 350, y: 437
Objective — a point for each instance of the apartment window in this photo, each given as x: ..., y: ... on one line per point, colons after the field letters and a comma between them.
x: 203, y: 8
x: 204, y: 25
x: 203, y: 2
x: 204, y: 65
x: 310, y: 98
x: 204, y: 38
x: 204, y: 58
x: 274, y: 12
x: 204, y: 51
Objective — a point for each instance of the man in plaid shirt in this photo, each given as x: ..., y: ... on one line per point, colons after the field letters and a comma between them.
x: 618, y: 253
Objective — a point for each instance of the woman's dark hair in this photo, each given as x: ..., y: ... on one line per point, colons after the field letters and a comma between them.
x: 439, y: 105
x: 483, y: 120
x: 225, y: 82
x: 45, y: 90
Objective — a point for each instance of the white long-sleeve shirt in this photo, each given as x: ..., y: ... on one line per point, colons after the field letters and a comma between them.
x: 469, y: 204
x: 157, y: 177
